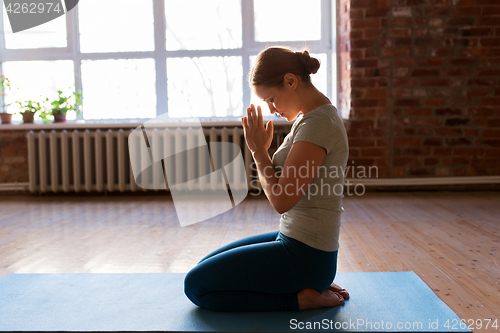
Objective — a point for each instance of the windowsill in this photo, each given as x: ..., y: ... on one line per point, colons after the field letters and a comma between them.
x: 129, y: 123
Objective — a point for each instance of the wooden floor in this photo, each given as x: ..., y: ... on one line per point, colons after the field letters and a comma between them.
x: 450, y: 239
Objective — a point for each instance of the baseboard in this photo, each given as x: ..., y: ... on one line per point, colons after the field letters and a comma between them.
x: 14, y: 186
x: 352, y: 182
x: 423, y: 181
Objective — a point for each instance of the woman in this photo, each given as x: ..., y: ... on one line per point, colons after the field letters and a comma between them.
x: 291, y: 269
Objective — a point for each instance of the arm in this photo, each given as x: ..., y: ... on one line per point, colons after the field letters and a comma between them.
x: 300, y: 168
x: 298, y: 172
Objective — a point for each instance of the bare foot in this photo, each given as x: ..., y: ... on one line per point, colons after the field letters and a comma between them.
x: 336, y: 288
x: 312, y: 299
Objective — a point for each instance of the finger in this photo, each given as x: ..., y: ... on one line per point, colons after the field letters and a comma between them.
x: 243, y: 123
x: 270, y: 128
x: 260, y: 120
x: 247, y: 124
x: 254, y: 115
x: 249, y: 116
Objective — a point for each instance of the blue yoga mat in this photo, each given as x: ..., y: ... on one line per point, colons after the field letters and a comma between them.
x: 380, y: 302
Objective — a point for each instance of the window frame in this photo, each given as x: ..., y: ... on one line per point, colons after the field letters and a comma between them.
x: 250, y: 47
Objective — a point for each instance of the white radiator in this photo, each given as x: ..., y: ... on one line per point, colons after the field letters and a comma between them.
x: 96, y: 160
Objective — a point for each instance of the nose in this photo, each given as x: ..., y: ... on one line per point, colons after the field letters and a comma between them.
x: 271, y: 108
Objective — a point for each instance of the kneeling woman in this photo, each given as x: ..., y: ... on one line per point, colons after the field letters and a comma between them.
x: 293, y: 268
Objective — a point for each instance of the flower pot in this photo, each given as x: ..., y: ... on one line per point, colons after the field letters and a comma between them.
x: 59, y: 117
x: 28, y: 117
x: 6, y: 117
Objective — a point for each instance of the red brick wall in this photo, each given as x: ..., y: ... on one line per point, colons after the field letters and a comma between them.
x: 424, y: 85
x: 13, y: 157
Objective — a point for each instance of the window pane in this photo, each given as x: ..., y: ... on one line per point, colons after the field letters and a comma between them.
x: 30, y: 79
x: 203, y: 24
x: 319, y: 80
x: 50, y: 34
x: 205, y: 87
x: 290, y: 20
x: 116, y: 25
x: 118, y: 89
x: 335, y: 81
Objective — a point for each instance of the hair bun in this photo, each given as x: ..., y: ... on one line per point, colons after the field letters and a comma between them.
x: 311, y: 64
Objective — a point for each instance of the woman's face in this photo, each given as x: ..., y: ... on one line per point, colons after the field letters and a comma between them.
x: 281, y: 100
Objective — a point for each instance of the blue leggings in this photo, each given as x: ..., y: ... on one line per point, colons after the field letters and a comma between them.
x: 263, y: 272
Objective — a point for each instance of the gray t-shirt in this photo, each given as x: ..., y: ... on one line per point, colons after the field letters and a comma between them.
x: 315, y: 219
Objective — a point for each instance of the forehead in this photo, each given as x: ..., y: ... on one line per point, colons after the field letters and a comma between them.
x: 263, y: 92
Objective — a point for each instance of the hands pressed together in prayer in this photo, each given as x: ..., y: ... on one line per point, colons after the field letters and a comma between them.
x: 257, y: 136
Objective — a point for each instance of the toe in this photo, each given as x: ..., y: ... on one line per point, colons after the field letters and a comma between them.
x: 344, y: 293
x: 340, y: 297
x: 335, y: 287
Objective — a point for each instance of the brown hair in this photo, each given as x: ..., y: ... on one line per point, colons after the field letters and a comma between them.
x: 273, y: 63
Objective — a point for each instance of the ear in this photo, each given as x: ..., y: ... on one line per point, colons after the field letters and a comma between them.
x: 291, y: 80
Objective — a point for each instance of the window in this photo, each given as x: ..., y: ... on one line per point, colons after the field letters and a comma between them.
x: 136, y: 59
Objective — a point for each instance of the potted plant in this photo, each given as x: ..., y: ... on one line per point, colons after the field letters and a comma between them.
x: 28, y: 110
x: 5, y: 117
x: 62, y: 105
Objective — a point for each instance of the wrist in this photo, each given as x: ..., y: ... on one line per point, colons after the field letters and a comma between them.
x: 259, y: 152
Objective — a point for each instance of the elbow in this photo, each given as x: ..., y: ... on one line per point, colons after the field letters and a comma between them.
x: 282, y: 205
x: 280, y: 211
x: 281, y: 200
